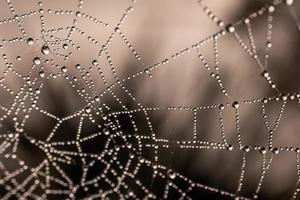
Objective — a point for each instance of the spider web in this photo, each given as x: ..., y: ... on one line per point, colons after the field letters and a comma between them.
x: 108, y: 146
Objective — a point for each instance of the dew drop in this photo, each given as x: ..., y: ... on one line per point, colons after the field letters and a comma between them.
x: 247, y: 21
x: 30, y: 41
x: 65, y: 46
x: 104, y: 117
x: 263, y: 150
x: 246, y: 148
x: 106, y: 132
x: 77, y: 66
x: 45, y: 50
x: 117, y: 29
x: 64, y: 69
x: 273, y: 85
x: 88, y: 109
x: 171, y: 174
x: 275, y: 150
x: 37, y: 91
x: 230, y: 147
x: 265, y: 74
x: 78, y: 14
x: 230, y: 28
x: 37, y: 60
x: 221, y: 107
x: 131, y: 155
x: 97, y: 98
x: 42, y: 74
x: 95, y: 62
x: 284, y: 97
x: 235, y: 104
x: 289, y: 2
x: 271, y: 8
x: 265, y: 100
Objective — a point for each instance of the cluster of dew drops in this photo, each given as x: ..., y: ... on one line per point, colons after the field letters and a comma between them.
x: 171, y: 174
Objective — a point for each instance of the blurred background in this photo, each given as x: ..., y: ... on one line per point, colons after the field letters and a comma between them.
x: 156, y: 30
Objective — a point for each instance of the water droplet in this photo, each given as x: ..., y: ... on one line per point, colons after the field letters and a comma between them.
x: 30, y: 41
x: 95, y: 62
x: 77, y: 66
x: 104, y: 117
x: 97, y: 98
x: 289, y: 2
x: 78, y: 14
x: 37, y: 60
x: 265, y: 100
x: 117, y: 29
x: 64, y: 69
x: 221, y: 107
x: 230, y: 147
x: 131, y: 155
x: 284, y: 97
x: 271, y: 8
x: 263, y: 150
x: 106, y: 132
x: 42, y: 74
x: 230, y: 28
x: 265, y: 74
x: 45, y: 50
x: 246, y: 148
x: 273, y: 85
x: 65, y: 46
x: 275, y: 150
x: 88, y: 109
x: 247, y: 21
x: 171, y: 174
x: 235, y: 104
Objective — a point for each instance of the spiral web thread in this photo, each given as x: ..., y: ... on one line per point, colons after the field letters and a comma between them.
x: 120, y: 177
